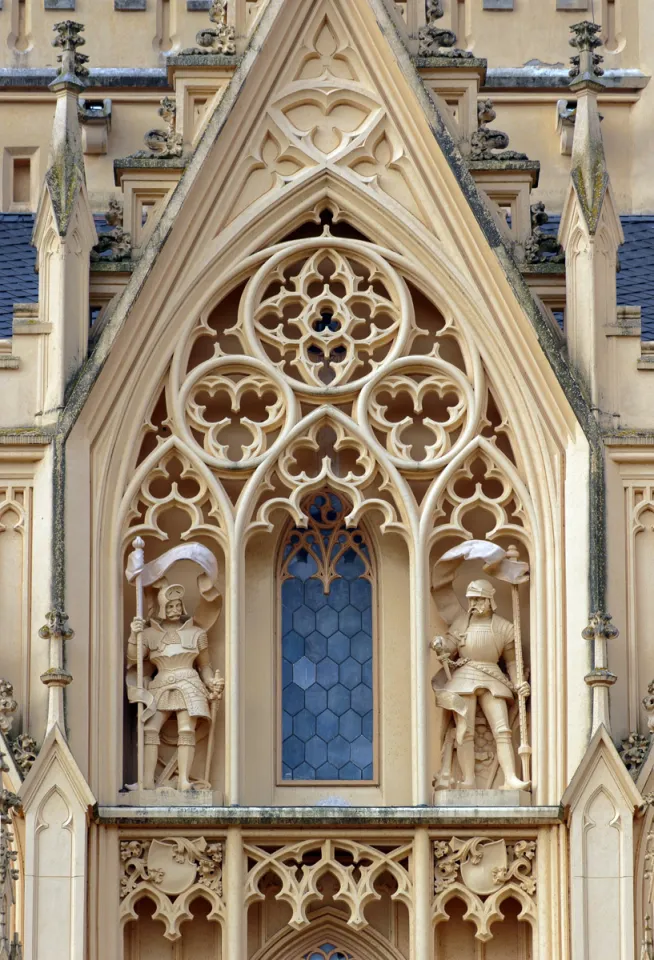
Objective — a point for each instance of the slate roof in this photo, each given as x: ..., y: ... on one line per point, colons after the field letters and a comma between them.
x: 636, y: 274
x: 18, y: 281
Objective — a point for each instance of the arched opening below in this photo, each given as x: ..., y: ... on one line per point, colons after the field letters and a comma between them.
x: 454, y: 939
x: 201, y: 938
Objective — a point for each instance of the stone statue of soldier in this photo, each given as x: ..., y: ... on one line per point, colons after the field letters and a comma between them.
x: 479, y: 638
x: 184, y: 683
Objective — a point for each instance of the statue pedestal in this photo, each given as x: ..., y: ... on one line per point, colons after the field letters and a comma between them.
x: 481, y: 798
x: 168, y: 797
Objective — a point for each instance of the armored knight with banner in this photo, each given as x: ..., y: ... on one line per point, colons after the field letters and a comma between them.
x: 477, y: 640
x: 177, y: 646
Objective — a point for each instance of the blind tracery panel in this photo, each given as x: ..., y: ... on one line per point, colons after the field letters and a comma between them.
x: 327, y: 648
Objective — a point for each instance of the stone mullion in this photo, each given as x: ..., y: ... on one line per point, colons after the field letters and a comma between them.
x: 235, y: 930
x: 422, y: 939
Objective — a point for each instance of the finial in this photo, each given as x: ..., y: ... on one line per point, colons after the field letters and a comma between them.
x: 73, y: 64
x: 586, y: 64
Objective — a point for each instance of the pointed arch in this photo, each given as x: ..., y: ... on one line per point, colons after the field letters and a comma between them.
x: 363, y: 944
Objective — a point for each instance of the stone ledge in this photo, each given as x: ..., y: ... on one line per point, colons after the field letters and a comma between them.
x: 546, y: 267
x: 202, y: 60
x: 547, y: 76
x: 331, y: 816
x: 476, y: 63
x: 9, y: 362
x: 25, y: 436
x: 151, y: 163
x: 125, y: 77
x: 113, y: 266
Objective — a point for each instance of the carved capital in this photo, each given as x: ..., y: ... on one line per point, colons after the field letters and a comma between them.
x: 600, y: 626
x: 56, y: 626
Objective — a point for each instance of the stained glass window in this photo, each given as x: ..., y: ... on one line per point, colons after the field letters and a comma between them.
x: 327, y: 952
x: 327, y: 647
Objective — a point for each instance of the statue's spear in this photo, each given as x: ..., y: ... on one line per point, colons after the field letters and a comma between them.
x: 137, y: 561
x: 524, y: 749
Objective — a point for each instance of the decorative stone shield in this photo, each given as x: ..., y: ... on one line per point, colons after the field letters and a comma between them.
x: 478, y: 876
x: 173, y: 871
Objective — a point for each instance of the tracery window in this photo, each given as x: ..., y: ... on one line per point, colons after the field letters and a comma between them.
x: 327, y: 647
x: 328, y: 952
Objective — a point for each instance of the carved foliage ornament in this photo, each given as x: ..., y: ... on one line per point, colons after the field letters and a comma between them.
x: 483, y: 872
x: 172, y: 872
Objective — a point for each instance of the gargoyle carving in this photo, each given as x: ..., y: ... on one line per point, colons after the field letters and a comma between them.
x: 542, y: 247
x: 433, y: 41
x: 114, y: 245
x: 486, y: 142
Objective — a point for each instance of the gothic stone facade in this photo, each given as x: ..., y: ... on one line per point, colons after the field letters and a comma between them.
x: 326, y: 444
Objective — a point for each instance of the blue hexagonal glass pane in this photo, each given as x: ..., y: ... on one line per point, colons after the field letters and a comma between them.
x: 304, y: 672
x: 349, y: 673
x: 327, y: 673
x: 327, y: 648
x: 338, y: 647
x: 338, y: 699
x: 314, y: 594
x: 350, y: 725
x: 315, y: 699
x: 327, y: 725
x: 315, y: 647
x: 349, y: 620
x: 327, y: 621
x: 304, y: 725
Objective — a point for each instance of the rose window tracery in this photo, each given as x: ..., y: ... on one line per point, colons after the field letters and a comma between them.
x: 328, y: 313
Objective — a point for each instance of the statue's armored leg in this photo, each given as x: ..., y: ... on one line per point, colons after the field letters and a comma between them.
x: 465, y: 743
x: 185, y: 748
x: 497, y: 714
x: 151, y: 741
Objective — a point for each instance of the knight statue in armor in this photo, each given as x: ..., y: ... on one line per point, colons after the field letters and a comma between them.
x: 470, y: 654
x: 184, y: 683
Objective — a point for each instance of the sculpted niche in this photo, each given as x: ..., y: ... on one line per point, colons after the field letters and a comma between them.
x: 169, y: 672
x: 480, y: 686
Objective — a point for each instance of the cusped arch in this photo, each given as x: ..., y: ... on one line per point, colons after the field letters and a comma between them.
x: 172, y: 913
x: 402, y: 519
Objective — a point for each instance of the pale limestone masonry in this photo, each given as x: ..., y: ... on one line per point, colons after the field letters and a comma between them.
x: 326, y: 448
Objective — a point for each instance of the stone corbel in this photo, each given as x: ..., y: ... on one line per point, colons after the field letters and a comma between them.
x: 95, y: 123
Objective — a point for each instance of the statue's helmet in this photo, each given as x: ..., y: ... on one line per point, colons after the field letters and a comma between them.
x: 174, y: 591
x: 484, y: 589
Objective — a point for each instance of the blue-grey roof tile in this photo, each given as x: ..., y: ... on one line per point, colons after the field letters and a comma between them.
x: 18, y: 280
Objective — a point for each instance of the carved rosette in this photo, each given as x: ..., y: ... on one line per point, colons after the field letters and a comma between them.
x: 483, y: 872
x: 172, y: 872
